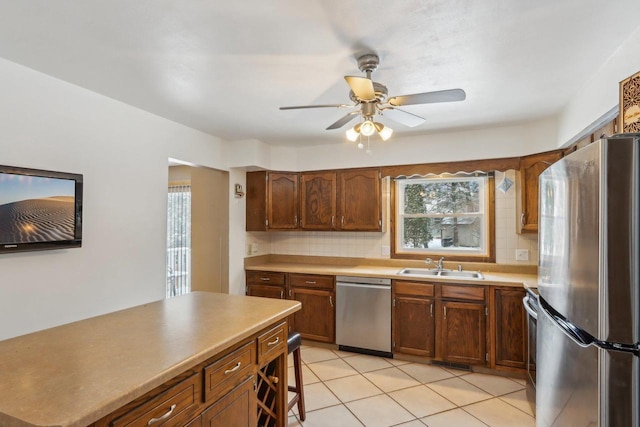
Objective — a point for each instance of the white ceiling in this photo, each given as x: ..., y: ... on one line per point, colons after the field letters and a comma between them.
x: 226, y: 67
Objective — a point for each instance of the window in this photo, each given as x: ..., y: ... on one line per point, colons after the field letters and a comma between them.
x: 446, y: 215
x: 179, y: 241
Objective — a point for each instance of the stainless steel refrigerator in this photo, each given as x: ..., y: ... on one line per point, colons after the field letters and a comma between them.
x: 588, y: 331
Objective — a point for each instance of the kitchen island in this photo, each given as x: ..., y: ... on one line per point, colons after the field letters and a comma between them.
x: 118, y: 367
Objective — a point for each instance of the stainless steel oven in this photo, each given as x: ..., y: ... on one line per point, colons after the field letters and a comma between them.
x: 530, y: 303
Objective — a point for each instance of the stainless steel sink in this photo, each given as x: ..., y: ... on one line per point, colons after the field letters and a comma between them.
x: 449, y: 274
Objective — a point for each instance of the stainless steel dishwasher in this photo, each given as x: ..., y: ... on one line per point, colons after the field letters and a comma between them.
x: 363, y: 315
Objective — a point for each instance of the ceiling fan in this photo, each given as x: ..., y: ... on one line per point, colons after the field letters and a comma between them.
x: 370, y: 98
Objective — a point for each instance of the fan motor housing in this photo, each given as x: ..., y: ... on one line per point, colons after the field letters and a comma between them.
x: 380, y: 91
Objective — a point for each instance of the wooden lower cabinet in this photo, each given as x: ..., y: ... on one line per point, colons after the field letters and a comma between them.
x: 266, y: 291
x: 237, y: 408
x: 316, y: 319
x: 446, y: 322
x: 243, y: 387
x: 266, y: 284
x: 413, y: 318
x: 510, y: 344
x: 464, y: 332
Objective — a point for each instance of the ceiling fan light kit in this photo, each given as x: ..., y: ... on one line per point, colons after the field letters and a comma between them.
x: 370, y: 98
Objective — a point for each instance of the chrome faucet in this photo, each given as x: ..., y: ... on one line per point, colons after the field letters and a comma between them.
x: 439, y: 265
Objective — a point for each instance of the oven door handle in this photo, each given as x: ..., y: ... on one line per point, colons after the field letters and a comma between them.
x: 527, y: 306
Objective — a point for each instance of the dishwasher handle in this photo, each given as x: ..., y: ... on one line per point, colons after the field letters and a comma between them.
x: 362, y: 285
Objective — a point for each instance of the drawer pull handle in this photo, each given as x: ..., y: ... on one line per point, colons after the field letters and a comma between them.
x: 235, y: 368
x: 164, y: 417
x: 265, y: 279
x: 310, y: 282
x: 331, y: 300
x: 272, y: 343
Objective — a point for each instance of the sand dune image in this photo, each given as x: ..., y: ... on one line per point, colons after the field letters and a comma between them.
x: 37, y: 220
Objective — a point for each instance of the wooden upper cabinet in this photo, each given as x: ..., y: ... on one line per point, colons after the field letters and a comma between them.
x: 272, y: 201
x: 282, y: 201
x: 318, y: 201
x: 360, y: 200
x: 530, y: 169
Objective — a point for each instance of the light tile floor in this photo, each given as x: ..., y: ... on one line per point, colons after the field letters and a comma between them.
x: 353, y: 390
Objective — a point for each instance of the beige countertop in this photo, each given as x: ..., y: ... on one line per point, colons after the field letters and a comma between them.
x: 74, y: 374
x: 391, y: 272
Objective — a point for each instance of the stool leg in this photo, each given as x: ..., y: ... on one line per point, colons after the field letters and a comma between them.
x: 297, y: 363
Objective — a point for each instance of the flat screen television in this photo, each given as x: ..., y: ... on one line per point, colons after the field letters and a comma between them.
x: 39, y: 209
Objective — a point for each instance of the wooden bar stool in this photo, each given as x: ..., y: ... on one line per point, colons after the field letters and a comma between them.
x: 293, y: 345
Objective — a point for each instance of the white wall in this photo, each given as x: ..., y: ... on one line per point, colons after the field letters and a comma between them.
x: 601, y: 93
x: 122, y: 153
x: 506, y: 141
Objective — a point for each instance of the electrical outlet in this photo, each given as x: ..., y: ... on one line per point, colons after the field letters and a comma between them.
x: 385, y: 250
x: 522, y: 254
x: 254, y: 248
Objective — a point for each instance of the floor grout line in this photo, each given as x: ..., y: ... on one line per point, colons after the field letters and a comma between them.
x: 357, y: 372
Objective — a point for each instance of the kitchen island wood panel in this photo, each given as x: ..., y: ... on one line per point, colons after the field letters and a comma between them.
x: 73, y: 375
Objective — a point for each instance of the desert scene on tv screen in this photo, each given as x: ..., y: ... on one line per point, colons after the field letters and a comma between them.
x: 36, y: 209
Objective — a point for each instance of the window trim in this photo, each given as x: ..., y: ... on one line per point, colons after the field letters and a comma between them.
x: 490, y: 257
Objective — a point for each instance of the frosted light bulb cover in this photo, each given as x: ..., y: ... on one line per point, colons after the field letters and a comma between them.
x: 386, y: 133
x: 367, y: 128
x: 352, y: 135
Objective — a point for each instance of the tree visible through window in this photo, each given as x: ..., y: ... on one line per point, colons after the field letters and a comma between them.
x: 179, y: 241
x: 442, y: 215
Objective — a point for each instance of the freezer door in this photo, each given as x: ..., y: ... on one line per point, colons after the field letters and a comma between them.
x: 566, y: 379
x: 580, y: 383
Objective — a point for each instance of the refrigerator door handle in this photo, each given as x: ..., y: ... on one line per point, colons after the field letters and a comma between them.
x: 577, y: 335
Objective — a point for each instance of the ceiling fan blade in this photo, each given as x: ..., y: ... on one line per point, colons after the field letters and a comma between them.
x: 403, y: 117
x: 343, y: 121
x: 297, y: 107
x: 449, y: 95
x: 362, y: 87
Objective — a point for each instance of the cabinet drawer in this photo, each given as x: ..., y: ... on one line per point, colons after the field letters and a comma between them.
x: 311, y: 281
x: 265, y: 277
x: 173, y: 407
x: 272, y: 342
x: 414, y: 288
x: 223, y: 375
x: 474, y: 293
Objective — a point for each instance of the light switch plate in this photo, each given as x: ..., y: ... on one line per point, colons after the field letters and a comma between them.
x: 522, y: 254
x: 385, y: 250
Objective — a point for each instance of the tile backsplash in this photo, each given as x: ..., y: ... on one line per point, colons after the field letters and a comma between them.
x: 376, y: 244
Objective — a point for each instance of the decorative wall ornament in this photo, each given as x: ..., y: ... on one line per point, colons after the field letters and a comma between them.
x: 629, y: 117
x: 505, y: 184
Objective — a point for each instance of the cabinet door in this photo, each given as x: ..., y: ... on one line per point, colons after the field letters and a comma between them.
x: 413, y: 325
x: 266, y: 291
x: 463, y: 332
x: 360, y: 206
x: 510, y: 328
x: 318, y: 201
x: 316, y: 319
x: 237, y: 408
x: 282, y: 202
x: 256, y: 205
x: 530, y: 169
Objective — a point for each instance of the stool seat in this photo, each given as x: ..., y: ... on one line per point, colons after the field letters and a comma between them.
x: 294, y: 340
